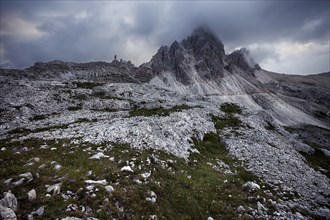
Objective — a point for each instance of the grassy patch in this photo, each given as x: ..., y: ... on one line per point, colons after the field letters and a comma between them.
x: 81, y: 97
x: 82, y: 120
x: 25, y: 131
x: 74, y: 108
x: 314, y: 137
x: 20, y: 131
x: 105, y: 109
x: 269, y: 127
x: 230, y: 108
x: 318, y: 160
x: 87, y: 85
x: 228, y: 120
x: 49, y: 128
x: 38, y: 117
x: 185, y: 190
x: 157, y: 111
x: 102, y: 95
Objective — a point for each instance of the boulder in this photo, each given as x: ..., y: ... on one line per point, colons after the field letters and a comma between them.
x: 9, y: 201
x: 7, y: 213
x: 32, y: 195
x: 251, y: 186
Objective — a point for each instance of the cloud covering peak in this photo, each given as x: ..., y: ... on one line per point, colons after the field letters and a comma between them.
x: 282, y: 36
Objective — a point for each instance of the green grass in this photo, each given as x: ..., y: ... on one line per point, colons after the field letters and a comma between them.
x: 226, y: 121
x: 185, y: 189
x: 87, y: 85
x: 74, y: 108
x: 178, y: 196
x: 82, y: 120
x: 318, y: 160
x: 102, y: 95
x: 20, y: 131
x: 105, y: 109
x: 229, y: 120
x: 269, y: 127
x: 38, y: 117
x: 26, y: 131
x: 157, y: 111
x: 230, y: 108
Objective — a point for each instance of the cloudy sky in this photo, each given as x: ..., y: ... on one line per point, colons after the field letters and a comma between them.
x: 282, y: 36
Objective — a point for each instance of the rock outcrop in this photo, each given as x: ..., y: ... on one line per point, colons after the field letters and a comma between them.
x: 202, y: 52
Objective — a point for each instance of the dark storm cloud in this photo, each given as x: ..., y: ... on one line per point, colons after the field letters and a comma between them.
x: 96, y: 30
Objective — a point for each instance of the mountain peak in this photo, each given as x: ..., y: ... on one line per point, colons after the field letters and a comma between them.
x: 201, y: 51
x: 243, y: 59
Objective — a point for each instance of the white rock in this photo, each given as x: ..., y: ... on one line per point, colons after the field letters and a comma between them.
x: 138, y: 182
x: 3, y: 149
x: 90, y: 187
x: 326, y: 152
x: 43, y: 147
x: 18, y: 182
x: 261, y: 208
x: 153, y: 217
x: 27, y: 176
x: 251, y: 186
x: 240, y: 209
x: 32, y: 195
x: 109, y: 188
x: 42, y: 166
x: 100, y: 182
x: 146, y: 175
x: 65, y: 197
x: 98, y: 156
x: 126, y: 168
x: 56, y: 188
x: 71, y: 207
x: 7, y: 213
x: 29, y: 164
x: 57, y: 167
x: 9, y: 201
x: 152, y: 197
x: 209, y: 218
x: 38, y: 213
x: 71, y: 218
x: 8, y: 181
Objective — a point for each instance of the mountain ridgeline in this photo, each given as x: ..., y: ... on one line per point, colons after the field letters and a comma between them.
x: 202, y: 52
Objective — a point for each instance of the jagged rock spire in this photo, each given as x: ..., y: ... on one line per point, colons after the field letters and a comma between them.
x: 242, y: 59
x: 202, y: 50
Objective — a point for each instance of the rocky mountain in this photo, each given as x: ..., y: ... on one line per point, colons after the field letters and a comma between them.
x: 116, y: 71
x: 194, y: 133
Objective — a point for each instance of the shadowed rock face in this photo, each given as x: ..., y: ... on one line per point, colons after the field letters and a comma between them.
x: 242, y: 59
x: 202, y: 52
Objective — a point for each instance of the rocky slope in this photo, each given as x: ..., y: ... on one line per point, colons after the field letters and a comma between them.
x: 197, y: 121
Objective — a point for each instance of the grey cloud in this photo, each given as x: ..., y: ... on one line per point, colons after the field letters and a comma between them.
x: 108, y: 26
